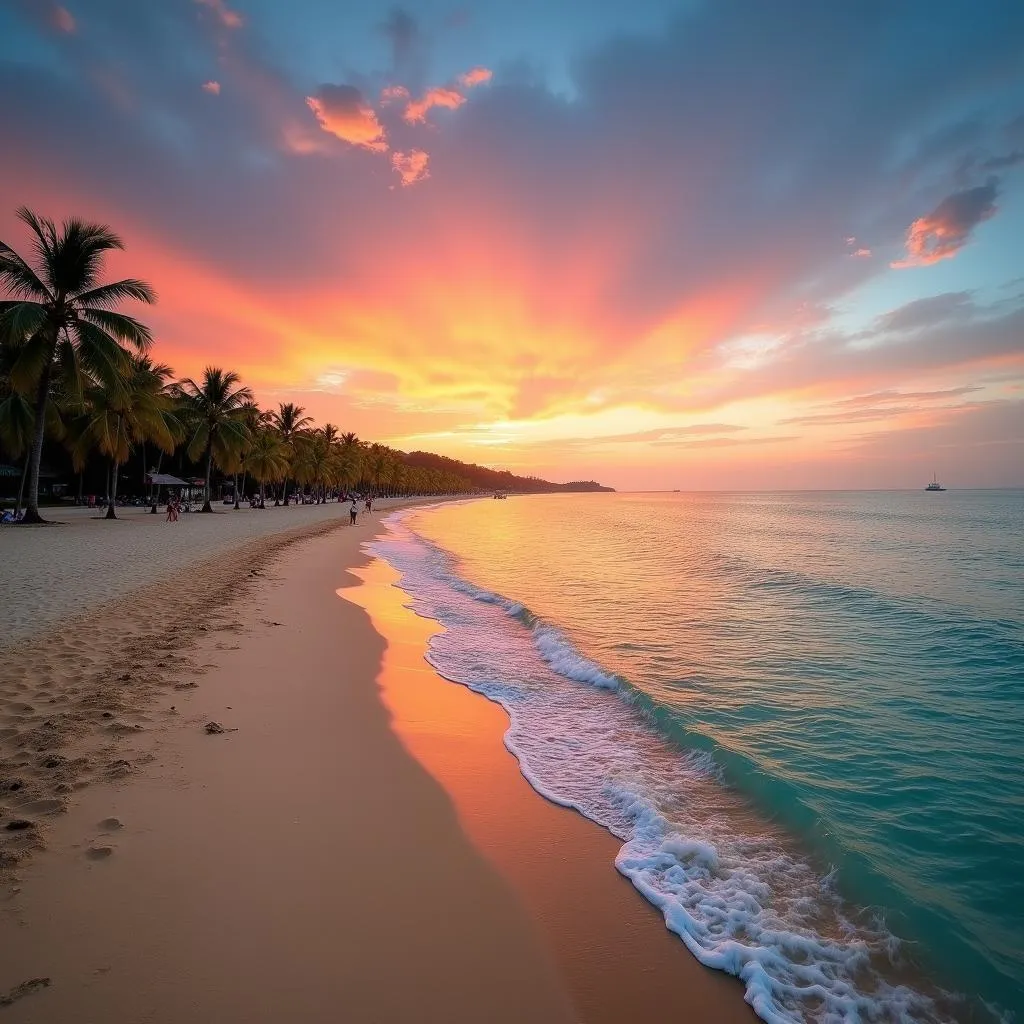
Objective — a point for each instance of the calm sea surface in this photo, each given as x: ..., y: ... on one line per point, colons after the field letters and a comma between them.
x: 802, y: 714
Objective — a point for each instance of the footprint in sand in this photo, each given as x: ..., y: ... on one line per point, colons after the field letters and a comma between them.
x: 111, y: 824
x: 99, y: 852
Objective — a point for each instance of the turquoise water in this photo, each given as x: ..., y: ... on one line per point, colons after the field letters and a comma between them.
x: 803, y: 714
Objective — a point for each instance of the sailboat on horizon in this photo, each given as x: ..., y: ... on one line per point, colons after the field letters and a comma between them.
x: 934, y: 485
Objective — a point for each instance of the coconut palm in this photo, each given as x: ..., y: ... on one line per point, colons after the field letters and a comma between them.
x: 266, y: 458
x: 215, y: 413
x: 255, y: 419
x: 68, y: 318
x: 124, y: 412
x: 289, y: 420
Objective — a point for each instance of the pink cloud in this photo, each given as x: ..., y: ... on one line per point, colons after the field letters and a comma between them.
x: 411, y: 166
x: 861, y: 252
x: 212, y: 87
x: 437, y: 96
x: 227, y: 17
x: 941, y: 234
x: 475, y: 76
x: 343, y: 112
x: 392, y: 93
x: 62, y: 19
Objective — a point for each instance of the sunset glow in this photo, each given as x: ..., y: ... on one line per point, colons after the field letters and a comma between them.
x: 607, y: 247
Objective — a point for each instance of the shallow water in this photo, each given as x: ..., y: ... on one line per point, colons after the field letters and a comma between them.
x: 803, y: 714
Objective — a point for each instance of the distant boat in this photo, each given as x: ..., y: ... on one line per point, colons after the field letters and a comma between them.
x: 934, y: 485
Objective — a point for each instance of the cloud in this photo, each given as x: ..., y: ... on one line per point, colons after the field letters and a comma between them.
x: 225, y: 16
x: 393, y: 93
x: 62, y: 20
x: 941, y: 234
x: 403, y: 32
x: 475, y: 76
x: 612, y: 239
x: 876, y: 398
x: 411, y: 166
x: 927, y: 312
x: 342, y: 111
x: 1001, y: 163
x: 861, y: 252
x: 436, y: 96
x: 212, y: 87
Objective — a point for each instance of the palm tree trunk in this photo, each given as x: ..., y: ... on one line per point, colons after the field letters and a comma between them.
x: 263, y: 503
x: 207, y: 507
x: 81, y: 486
x: 111, y: 513
x: 236, y: 492
x: 36, y: 452
x: 21, y: 486
x: 285, y: 492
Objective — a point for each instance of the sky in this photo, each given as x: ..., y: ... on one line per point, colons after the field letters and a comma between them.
x: 716, y: 244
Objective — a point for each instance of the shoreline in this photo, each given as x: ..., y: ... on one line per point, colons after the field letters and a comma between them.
x: 613, y: 951
x: 312, y: 864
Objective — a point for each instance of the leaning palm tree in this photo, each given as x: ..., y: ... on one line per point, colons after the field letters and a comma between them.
x: 67, y: 317
x: 216, y: 418
x: 289, y: 421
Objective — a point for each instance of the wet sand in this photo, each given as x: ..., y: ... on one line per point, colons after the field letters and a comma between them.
x: 329, y: 856
x: 612, y: 949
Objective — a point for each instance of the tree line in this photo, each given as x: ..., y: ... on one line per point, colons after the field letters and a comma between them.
x: 77, y: 371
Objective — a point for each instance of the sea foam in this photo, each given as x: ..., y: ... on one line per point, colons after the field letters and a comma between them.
x: 747, y: 903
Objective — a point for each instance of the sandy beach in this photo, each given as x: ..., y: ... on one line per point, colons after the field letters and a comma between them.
x: 356, y: 844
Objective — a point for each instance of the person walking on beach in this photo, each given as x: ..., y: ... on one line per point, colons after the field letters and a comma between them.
x: 172, y: 510
x: 353, y: 511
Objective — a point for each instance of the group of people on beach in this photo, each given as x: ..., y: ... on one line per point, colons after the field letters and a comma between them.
x: 173, y: 508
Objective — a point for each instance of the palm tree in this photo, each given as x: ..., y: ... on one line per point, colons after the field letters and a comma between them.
x: 67, y: 317
x: 122, y: 413
x: 255, y: 419
x: 216, y: 414
x: 266, y: 459
x: 289, y: 420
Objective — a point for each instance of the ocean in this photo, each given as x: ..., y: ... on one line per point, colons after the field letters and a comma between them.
x: 801, y: 714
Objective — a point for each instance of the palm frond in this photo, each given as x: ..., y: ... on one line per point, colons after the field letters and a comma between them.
x: 107, y: 295
x: 121, y: 326
x: 44, y: 243
x: 18, y: 277
x: 100, y: 354
x: 28, y: 361
x: 20, y: 320
x: 79, y: 254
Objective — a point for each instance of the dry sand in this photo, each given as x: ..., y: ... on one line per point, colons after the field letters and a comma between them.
x: 87, y: 561
x: 302, y: 865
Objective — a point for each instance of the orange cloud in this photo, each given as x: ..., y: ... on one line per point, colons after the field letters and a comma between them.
x: 392, y: 93
x: 227, y: 17
x: 475, y: 76
x: 862, y: 252
x: 411, y: 166
x: 941, y: 234
x: 437, y: 96
x: 212, y: 87
x: 342, y: 111
x: 62, y: 19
